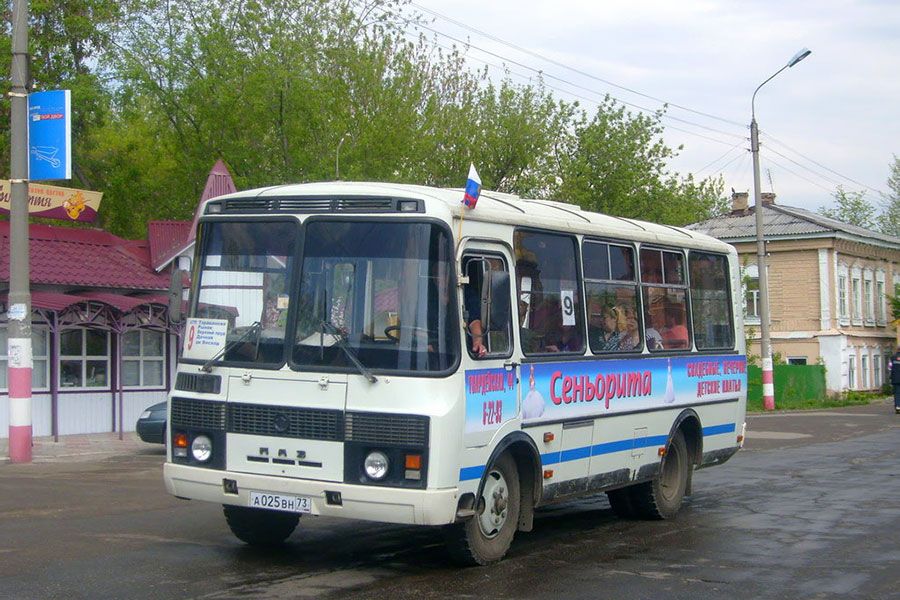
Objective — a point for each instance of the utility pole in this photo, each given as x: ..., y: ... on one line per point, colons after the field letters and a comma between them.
x: 19, y: 309
x: 765, y: 349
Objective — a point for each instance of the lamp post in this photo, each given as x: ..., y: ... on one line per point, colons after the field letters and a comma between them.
x: 19, y: 305
x: 337, y: 157
x: 765, y: 350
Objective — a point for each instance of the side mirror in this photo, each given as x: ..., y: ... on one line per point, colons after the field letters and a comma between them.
x: 176, y: 291
x: 495, y: 308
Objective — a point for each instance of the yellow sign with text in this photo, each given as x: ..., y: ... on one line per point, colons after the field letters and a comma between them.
x: 53, y: 202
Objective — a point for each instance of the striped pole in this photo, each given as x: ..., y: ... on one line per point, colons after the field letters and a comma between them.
x: 768, y: 384
x: 19, y: 299
x: 20, y: 433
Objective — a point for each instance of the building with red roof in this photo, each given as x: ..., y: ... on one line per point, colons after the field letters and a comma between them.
x: 103, y: 346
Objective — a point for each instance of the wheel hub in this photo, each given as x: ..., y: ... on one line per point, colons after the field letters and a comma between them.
x: 495, y: 498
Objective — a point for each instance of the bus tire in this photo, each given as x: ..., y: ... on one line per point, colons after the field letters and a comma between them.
x: 260, y: 527
x: 661, y: 498
x: 486, y: 537
x: 621, y: 503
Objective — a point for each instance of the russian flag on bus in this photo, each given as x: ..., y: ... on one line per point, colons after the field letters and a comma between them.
x: 473, y: 188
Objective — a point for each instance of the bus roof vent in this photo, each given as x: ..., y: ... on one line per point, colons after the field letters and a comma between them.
x: 312, y: 204
x: 241, y: 205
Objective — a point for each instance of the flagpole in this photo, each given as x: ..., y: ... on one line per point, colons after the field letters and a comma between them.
x: 470, y: 196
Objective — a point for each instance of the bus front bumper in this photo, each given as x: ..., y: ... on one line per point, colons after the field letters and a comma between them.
x: 372, y: 503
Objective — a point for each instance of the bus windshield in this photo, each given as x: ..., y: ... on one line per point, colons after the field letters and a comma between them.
x: 379, y: 292
x: 245, y: 280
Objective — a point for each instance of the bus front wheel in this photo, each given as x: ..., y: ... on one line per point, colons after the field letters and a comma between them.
x: 260, y: 527
x: 485, y: 537
x: 661, y: 498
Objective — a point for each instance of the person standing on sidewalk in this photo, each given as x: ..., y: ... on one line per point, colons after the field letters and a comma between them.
x: 895, y: 379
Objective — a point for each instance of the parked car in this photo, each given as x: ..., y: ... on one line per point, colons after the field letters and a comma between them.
x: 151, y: 425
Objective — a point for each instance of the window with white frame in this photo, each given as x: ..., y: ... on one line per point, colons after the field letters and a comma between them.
x: 851, y: 373
x: 879, y: 301
x: 143, y: 358
x: 40, y: 350
x: 751, y: 292
x: 83, y: 358
x: 842, y: 297
x: 857, y: 299
x: 867, y: 300
x: 877, y: 381
x: 864, y: 372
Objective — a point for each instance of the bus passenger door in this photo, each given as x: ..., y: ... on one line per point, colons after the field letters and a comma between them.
x: 490, y: 367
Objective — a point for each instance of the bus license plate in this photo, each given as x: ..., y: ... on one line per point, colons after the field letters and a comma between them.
x: 295, y: 504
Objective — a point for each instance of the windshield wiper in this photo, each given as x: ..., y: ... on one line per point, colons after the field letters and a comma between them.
x: 255, y: 327
x: 330, y: 329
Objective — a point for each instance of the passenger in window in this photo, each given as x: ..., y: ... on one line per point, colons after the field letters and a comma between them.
x: 675, y: 335
x: 631, y: 340
x: 654, y: 332
x: 613, y: 326
x: 474, y: 328
x: 595, y: 324
x: 564, y: 340
x: 271, y: 314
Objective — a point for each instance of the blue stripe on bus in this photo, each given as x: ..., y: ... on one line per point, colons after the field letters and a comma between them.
x: 552, y: 458
x: 719, y: 429
x: 467, y: 473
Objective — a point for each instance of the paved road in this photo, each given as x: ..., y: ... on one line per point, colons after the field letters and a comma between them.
x: 810, y: 509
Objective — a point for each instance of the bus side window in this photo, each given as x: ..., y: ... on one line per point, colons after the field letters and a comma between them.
x: 551, y: 316
x: 710, y: 301
x: 665, y: 300
x: 479, y: 342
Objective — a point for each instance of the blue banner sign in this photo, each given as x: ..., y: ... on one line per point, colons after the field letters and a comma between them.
x: 50, y: 135
x: 559, y: 391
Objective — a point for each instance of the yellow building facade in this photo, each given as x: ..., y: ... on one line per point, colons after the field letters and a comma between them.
x: 829, y: 287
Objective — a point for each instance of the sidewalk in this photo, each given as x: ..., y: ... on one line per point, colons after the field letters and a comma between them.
x: 84, y: 447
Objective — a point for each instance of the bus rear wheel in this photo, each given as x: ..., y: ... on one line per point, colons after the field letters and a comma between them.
x: 661, y: 498
x: 486, y: 537
x: 260, y: 527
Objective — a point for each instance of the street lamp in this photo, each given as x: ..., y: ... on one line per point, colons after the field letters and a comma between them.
x: 337, y: 156
x: 765, y: 350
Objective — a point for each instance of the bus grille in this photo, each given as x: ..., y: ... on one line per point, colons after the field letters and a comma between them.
x: 198, y: 414
x: 300, y: 423
x: 284, y: 421
x: 379, y: 428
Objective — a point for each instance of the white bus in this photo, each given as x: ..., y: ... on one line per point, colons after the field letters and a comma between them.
x: 377, y: 351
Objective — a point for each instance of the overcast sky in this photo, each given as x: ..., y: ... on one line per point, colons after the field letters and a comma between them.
x: 837, y: 108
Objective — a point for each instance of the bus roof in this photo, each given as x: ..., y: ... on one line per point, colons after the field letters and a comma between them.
x: 499, y: 208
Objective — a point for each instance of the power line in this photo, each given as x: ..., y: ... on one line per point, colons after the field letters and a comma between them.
x: 741, y: 158
x: 576, y: 95
x: 795, y: 174
x: 727, y: 152
x: 818, y: 164
x: 570, y: 68
x: 570, y: 83
x: 624, y: 88
x: 802, y: 166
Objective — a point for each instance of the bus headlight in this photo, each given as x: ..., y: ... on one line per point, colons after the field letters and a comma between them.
x: 376, y: 465
x: 201, y: 448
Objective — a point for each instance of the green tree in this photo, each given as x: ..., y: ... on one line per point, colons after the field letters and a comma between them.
x: 66, y: 40
x: 169, y: 86
x: 890, y: 216
x: 851, y: 207
x: 617, y: 164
